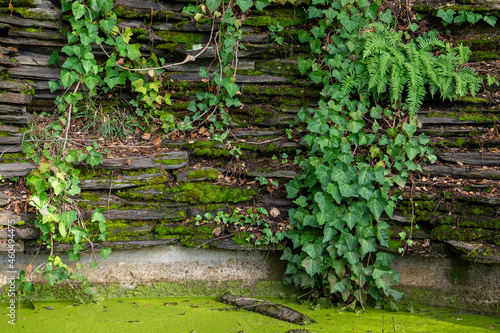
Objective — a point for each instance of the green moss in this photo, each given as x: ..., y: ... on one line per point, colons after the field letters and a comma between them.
x: 180, y: 37
x: 445, y: 232
x: 279, y: 67
x: 284, y: 16
x: 13, y: 158
x: 211, y: 152
x: 90, y: 196
x: 280, y: 91
x: 171, y: 161
x: 170, y: 47
x: 192, y: 193
x: 140, y: 34
x: 473, y: 100
x: 210, y: 174
x: 241, y: 238
x: 17, y: 3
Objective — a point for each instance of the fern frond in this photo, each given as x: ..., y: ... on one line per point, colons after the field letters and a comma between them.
x: 415, y: 99
x: 428, y: 62
x: 463, y: 53
x: 397, y: 83
x: 384, y: 65
x: 348, y: 83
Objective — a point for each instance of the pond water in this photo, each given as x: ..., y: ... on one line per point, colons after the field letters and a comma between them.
x: 206, y: 315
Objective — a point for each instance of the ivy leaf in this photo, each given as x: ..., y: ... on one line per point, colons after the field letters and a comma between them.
x: 323, y: 204
x: 379, y: 175
x: 473, y: 18
x: 367, y: 245
x: 376, y: 206
x: 54, y: 58
x: 67, y: 218
x: 87, y: 64
x: 97, y: 216
x: 401, y: 181
x: 314, y: 12
x: 348, y: 190
x: 316, y: 76
x: 293, y: 188
x: 386, y: 16
x: 57, y: 184
x: 133, y: 51
x: 352, y: 257
x: 54, y: 85
x: 365, y: 175
x: 94, y: 158
x: 37, y: 182
x: 312, y: 266
x: 310, y: 220
x: 349, y: 24
x: 244, y: 4
x: 384, y: 258
x: 51, y: 278
x: 301, y: 201
x: 491, y: 20
x: 78, y: 9
x: 322, y: 174
x: 383, y: 233
x: 334, y: 191
x: 231, y: 87
x: 68, y: 78
x: 106, y: 252
x: 261, y: 4
x: 314, y: 250
x: 352, y: 218
x: 79, y: 234
x: 74, y: 190
x: 108, y: 24
x: 91, y: 81
x: 304, y: 65
x: 328, y: 233
x: 446, y: 15
x: 212, y: 5
x: 412, y: 152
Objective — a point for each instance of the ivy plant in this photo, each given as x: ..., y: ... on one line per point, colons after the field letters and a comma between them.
x: 360, y: 144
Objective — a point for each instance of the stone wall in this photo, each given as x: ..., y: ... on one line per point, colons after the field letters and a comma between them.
x: 147, y: 199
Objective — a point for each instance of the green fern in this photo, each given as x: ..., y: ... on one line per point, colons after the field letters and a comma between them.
x: 412, y: 70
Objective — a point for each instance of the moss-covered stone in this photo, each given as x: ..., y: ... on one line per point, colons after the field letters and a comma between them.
x: 444, y: 232
x: 210, y: 174
x: 192, y: 193
x: 180, y: 37
x: 285, y: 17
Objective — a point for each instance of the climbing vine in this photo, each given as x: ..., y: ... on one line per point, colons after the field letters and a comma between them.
x: 361, y: 144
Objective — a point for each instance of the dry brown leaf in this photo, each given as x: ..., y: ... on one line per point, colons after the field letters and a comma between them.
x: 157, y: 141
x: 216, y: 232
x: 274, y: 212
x: 146, y: 136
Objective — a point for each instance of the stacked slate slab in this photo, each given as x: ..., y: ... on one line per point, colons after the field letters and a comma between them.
x: 456, y: 202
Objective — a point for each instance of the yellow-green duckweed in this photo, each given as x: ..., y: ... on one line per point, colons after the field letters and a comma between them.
x: 205, y: 315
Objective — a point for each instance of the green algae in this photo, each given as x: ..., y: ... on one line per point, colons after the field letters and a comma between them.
x: 205, y: 314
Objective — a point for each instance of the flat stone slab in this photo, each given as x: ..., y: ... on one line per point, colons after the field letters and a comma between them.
x: 4, y: 199
x: 166, y: 161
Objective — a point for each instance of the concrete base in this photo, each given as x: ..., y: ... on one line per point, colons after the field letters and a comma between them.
x: 446, y: 282
x: 450, y: 282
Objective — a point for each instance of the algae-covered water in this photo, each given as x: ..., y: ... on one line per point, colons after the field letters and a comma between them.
x: 205, y: 315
